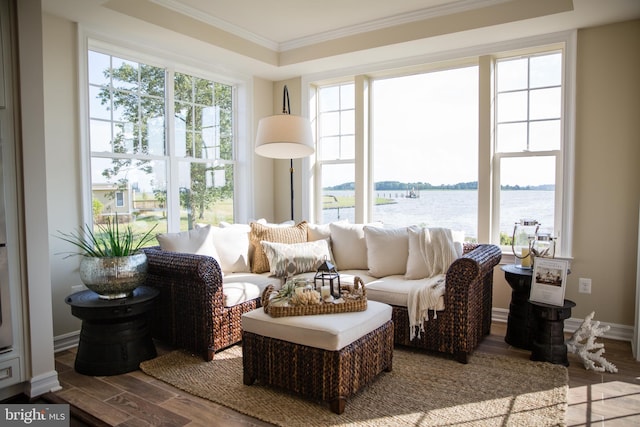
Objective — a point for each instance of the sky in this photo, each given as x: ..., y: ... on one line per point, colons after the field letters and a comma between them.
x: 425, y: 127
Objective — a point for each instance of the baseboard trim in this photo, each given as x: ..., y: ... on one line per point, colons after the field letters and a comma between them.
x: 615, y: 332
x: 66, y: 341
x: 44, y: 383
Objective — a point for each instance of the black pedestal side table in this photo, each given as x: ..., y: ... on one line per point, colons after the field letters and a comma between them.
x: 548, y: 340
x: 520, y: 320
x: 115, y: 335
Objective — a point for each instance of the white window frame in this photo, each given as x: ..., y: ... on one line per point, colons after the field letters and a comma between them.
x: 558, y: 154
x: 317, y: 212
x: 243, y: 205
x: 487, y: 216
x: 565, y: 156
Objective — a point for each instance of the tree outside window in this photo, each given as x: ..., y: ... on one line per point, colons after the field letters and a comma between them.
x: 133, y: 153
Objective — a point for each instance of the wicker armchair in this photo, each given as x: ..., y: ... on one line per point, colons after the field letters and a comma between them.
x: 189, y: 312
x: 466, y: 319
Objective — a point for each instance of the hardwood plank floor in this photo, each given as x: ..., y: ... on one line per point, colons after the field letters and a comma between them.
x: 135, y: 399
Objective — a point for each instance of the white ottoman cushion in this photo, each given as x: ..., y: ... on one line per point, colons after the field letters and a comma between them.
x: 326, y: 331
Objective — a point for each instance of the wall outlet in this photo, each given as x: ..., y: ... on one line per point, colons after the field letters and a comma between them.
x: 584, y: 285
x: 78, y: 288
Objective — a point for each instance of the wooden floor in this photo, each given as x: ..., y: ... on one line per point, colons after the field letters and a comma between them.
x: 135, y: 399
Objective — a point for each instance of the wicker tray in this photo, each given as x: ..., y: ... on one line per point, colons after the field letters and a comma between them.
x: 354, y: 300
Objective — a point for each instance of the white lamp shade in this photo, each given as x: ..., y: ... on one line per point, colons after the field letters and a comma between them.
x: 284, y: 137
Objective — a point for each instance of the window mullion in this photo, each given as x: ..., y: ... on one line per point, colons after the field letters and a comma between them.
x: 173, y: 190
x: 528, y: 103
x: 486, y: 144
x: 363, y: 173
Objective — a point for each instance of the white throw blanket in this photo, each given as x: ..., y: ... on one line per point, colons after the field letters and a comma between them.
x: 424, y: 296
x: 439, y: 252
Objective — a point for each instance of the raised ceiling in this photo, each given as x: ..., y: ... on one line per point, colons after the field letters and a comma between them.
x: 283, y: 23
x: 279, y: 39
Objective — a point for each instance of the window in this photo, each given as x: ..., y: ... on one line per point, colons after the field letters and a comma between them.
x: 119, y: 199
x: 336, y: 152
x: 425, y: 149
x: 203, y: 135
x: 528, y: 140
x: 161, y: 143
x: 473, y: 144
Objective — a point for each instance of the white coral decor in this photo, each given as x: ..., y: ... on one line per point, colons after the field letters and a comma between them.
x: 590, y: 352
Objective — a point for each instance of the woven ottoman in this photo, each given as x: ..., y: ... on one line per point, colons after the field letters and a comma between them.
x: 327, y: 357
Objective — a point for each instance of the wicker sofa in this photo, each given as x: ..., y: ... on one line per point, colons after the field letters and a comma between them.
x: 191, y: 312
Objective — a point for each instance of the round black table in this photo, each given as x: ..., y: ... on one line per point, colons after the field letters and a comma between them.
x: 115, y: 335
x: 548, y: 340
x: 520, y: 322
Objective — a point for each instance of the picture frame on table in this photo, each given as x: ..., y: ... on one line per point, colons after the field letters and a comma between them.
x: 549, y: 281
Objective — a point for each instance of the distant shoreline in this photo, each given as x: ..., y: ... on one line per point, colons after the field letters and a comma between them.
x: 422, y: 186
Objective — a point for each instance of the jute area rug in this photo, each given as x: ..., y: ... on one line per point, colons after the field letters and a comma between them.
x: 421, y: 390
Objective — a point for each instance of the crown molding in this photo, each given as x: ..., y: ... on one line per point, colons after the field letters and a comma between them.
x: 391, y: 21
x: 214, y: 21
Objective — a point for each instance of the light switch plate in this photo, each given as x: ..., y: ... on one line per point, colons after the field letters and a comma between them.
x: 584, y: 285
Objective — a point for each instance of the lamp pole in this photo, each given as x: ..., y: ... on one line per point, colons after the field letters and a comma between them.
x: 291, y: 178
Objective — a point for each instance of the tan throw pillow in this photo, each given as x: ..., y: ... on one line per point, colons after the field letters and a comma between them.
x: 260, y: 232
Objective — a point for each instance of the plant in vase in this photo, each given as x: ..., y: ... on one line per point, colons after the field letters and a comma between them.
x: 112, y: 264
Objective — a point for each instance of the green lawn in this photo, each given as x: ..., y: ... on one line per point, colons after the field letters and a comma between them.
x: 336, y: 202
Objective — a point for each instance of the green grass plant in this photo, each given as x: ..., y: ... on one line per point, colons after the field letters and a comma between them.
x: 108, y: 240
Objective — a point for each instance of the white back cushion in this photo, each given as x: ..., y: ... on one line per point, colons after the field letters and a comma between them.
x: 416, y: 264
x: 232, y: 245
x: 321, y: 231
x: 198, y: 241
x: 348, y: 246
x: 387, y: 250
x: 416, y: 267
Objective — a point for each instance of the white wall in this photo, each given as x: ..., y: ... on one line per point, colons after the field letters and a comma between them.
x: 63, y: 179
x: 36, y: 264
x: 264, y: 200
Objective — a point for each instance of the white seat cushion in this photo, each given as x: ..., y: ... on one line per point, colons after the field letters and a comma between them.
x: 394, y: 290
x: 240, y: 287
x: 326, y: 331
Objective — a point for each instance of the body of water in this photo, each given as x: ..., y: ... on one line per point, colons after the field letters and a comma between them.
x: 455, y: 209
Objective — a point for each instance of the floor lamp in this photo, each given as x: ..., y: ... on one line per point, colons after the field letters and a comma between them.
x: 284, y: 136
